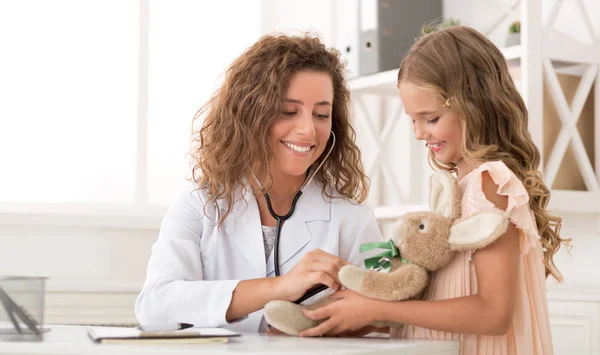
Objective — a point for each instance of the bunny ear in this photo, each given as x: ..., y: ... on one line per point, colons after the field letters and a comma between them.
x: 444, y: 196
x: 478, y: 231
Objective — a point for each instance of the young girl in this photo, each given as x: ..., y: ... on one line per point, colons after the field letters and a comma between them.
x: 455, y: 85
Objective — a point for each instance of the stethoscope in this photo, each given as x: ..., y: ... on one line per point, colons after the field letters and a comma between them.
x: 280, y: 219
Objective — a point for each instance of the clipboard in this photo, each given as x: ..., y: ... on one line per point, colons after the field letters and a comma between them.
x: 110, y: 335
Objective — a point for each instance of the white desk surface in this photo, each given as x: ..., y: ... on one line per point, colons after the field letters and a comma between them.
x: 65, y: 339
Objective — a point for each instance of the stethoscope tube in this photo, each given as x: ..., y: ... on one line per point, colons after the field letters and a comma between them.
x: 280, y: 219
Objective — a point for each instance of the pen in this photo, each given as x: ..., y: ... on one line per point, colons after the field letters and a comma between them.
x: 163, y: 327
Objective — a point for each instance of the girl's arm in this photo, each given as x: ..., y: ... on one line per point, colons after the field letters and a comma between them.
x: 488, y: 311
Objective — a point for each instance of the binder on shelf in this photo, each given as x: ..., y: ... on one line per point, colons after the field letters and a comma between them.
x: 389, y: 28
x: 347, y: 33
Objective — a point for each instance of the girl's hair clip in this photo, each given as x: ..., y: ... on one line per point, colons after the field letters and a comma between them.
x: 447, y: 103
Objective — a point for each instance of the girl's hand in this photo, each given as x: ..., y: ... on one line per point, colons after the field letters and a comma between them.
x: 315, y: 267
x: 350, y: 312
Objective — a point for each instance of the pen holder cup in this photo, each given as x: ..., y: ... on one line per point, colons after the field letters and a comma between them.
x: 22, y: 308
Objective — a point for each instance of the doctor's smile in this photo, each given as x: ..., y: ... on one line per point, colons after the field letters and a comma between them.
x: 297, y: 147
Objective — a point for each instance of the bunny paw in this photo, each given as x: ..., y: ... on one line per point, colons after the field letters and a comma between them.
x: 287, y: 317
x: 352, y: 277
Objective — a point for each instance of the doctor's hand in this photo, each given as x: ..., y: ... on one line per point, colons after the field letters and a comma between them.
x: 315, y: 267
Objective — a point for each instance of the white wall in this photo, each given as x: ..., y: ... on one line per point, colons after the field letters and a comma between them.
x: 94, y: 273
x: 294, y: 17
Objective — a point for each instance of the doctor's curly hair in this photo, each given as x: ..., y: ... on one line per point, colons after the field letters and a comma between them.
x: 233, y: 142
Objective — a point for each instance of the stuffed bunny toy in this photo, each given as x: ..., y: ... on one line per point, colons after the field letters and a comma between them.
x: 422, y: 242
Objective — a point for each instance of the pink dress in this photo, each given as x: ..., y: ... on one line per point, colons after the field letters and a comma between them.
x: 530, y: 330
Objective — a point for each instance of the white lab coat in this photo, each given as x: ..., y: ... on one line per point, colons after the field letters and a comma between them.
x: 195, y: 266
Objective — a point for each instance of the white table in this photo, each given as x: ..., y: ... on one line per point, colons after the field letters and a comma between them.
x: 64, y: 339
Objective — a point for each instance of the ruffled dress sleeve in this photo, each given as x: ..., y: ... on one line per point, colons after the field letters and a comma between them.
x: 474, y: 200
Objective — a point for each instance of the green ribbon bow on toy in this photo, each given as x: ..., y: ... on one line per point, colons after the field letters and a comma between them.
x: 381, y: 261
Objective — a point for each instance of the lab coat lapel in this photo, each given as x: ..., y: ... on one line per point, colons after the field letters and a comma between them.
x: 295, y: 233
x: 244, y: 227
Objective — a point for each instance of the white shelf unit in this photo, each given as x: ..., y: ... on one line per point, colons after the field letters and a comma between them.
x: 541, y: 56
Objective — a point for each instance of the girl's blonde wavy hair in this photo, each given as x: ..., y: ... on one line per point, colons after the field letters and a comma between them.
x: 460, y: 64
x: 233, y: 144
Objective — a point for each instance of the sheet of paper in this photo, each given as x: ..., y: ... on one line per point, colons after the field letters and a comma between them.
x: 134, y: 333
x: 213, y: 332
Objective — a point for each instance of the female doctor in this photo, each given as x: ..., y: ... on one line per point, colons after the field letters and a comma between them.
x: 278, y: 125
